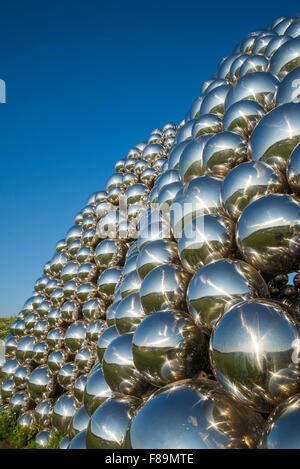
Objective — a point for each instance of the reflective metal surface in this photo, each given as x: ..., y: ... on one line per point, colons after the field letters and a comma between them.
x: 194, y: 414
x: 216, y: 286
x: 251, y: 352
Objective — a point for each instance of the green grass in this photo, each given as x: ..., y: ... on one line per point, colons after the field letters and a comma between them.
x: 4, y: 326
x: 21, y: 437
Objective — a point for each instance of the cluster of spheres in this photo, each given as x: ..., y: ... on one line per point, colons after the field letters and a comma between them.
x: 168, y: 317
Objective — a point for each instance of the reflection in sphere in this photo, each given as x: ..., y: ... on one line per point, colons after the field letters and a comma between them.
x: 247, y: 182
x: 109, y: 425
x: 268, y: 233
x: 251, y: 354
x: 167, y: 347
x: 193, y: 414
x: 215, y: 287
x: 205, y: 239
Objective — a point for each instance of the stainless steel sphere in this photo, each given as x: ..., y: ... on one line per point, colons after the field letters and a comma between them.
x: 167, y: 346
x: 246, y: 183
x: 67, y: 375
x: 107, y: 283
x: 79, y: 441
x: 54, y: 338
x: 175, y: 154
x: 79, y: 387
x: 27, y: 420
x: 75, y: 336
x: 193, y: 414
x: 85, y: 291
x: 213, y: 102
x: 164, y: 288
x: 69, y: 272
x: 251, y: 352
x: 40, y: 353
x: 94, y: 330
x: 286, y: 58
x: 268, y: 231
x: 191, y: 159
x: 129, y: 313
x: 199, y: 197
x: 154, y: 254
x: 119, y: 370
x: 276, y: 134
x: 43, y: 412
x: 19, y: 402
x: 40, y: 383
x: 152, y: 152
x: 69, y: 311
x: 107, y: 336
x: 218, y: 285
x: 282, y: 427
x: 110, y: 423
x: 21, y: 376
x: 242, y: 117
x: 131, y: 283
x: 293, y: 170
x: 63, y: 411
x: 25, y: 348
x: 83, y: 255
x: 109, y: 253
x: 56, y: 360
x: 96, y: 391
x: 8, y: 369
x: 222, y: 152
x: 93, y: 309
x: 79, y: 422
x: 204, y: 240
x: 288, y: 90
x: 256, y: 86
x: 84, y: 360
x: 43, y: 439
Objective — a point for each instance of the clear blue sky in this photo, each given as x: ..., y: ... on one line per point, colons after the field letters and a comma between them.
x: 85, y: 81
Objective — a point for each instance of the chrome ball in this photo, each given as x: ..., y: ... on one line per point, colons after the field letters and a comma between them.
x: 268, y: 231
x: 293, y: 170
x: 199, y: 197
x: 110, y: 423
x: 246, y: 183
x: 286, y: 58
x: 43, y: 412
x: 242, y: 117
x: 216, y: 286
x: 69, y: 311
x: 83, y: 360
x: 21, y: 376
x: 222, y: 152
x: 79, y: 422
x: 194, y: 414
x: 154, y: 254
x: 107, y: 336
x: 56, y: 360
x: 247, y: 359
x: 107, y: 283
x: 94, y: 330
x: 277, y: 432
x: 93, y: 309
x: 204, y: 240
x: 40, y: 353
x: 79, y: 441
x: 63, y: 411
x: 119, y: 369
x: 67, y: 375
x: 85, y: 291
x: 109, y: 253
x: 40, y: 383
x: 54, y: 338
x: 168, y: 347
x: 43, y: 439
x: 164, y: 288
x: 276, y: 134
x: 25, y: 349
x: 128, y: 313
x: 78, y: 388
x: 8, y: 369
x: 75, y: 336
x: 96, y: 392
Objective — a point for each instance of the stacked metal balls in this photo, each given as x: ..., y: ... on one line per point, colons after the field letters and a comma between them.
x: 168, y: 317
